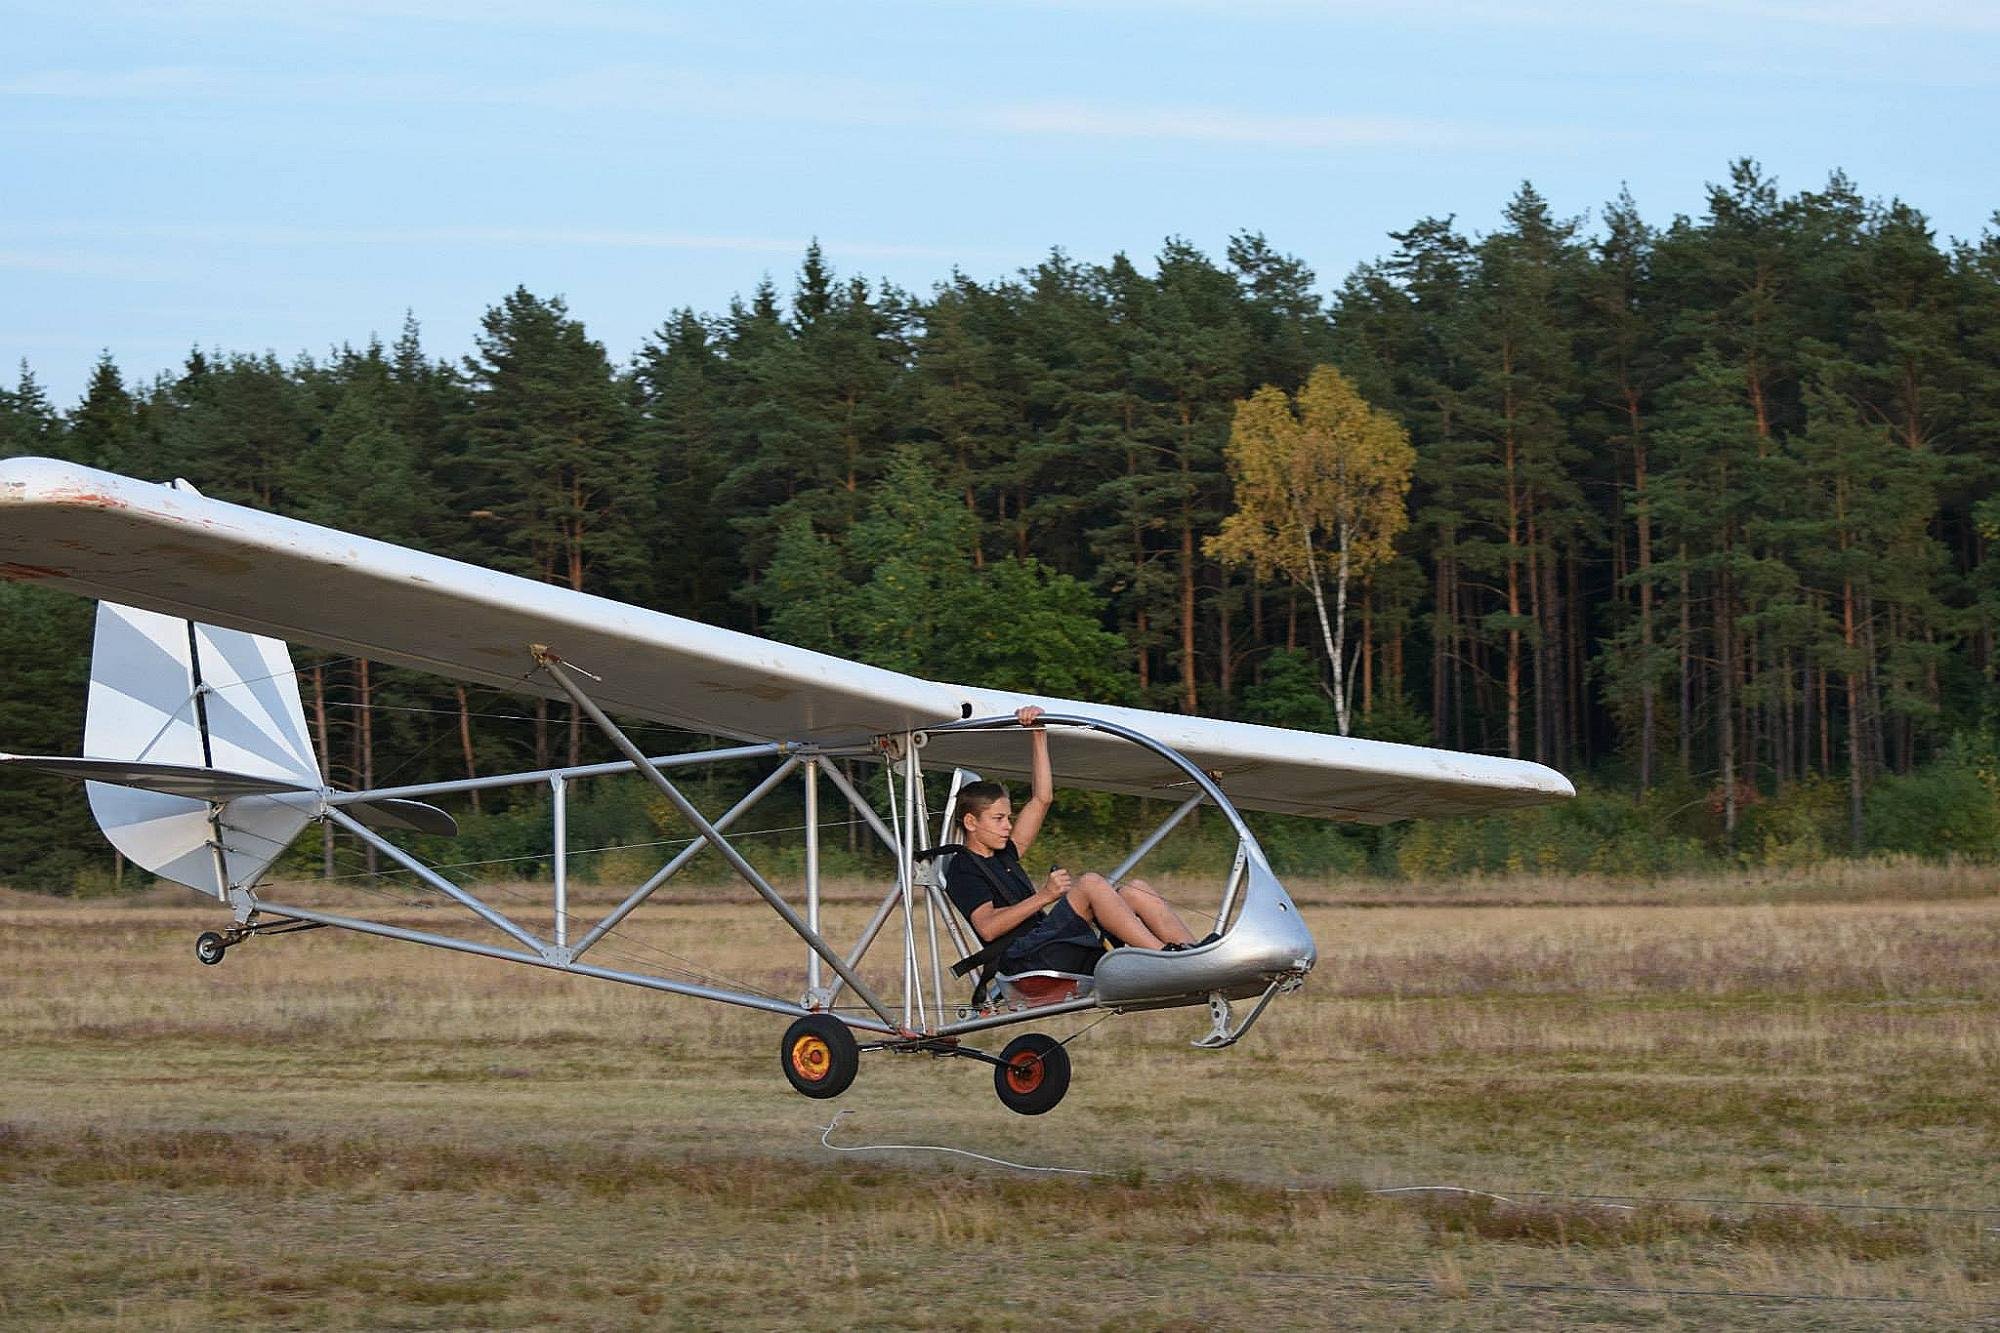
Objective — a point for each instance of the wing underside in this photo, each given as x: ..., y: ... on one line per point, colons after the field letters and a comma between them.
x: 145, y: 545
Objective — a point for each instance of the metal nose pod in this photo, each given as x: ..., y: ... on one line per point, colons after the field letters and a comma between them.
x: 1267, y: 942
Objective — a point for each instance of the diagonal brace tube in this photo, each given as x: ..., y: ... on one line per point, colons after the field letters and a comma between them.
x: 874, y: 821
x: 431, y: 877
x: 790, y: 916
x: 1153, y: 839
x: 682, y: 857
x: 580, y: 969
x: 862, y: 808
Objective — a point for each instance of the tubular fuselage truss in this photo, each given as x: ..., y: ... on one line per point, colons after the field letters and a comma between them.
x: 929, y: 925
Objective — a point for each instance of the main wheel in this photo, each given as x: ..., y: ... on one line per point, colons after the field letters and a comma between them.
x: 1035, y: 1074
x: 820, y: 1055
x: 209, y: 947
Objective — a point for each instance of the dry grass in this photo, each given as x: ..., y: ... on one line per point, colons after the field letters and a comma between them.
x: 329, y: 1131
x: 1903, y: 879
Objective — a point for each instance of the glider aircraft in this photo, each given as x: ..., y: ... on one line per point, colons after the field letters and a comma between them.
x: 199, y: 767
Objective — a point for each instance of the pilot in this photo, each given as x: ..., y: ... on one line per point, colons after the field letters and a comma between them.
x: 1078, y: 915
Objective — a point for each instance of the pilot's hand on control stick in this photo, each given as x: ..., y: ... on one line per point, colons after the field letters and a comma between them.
x: 1057, y: 884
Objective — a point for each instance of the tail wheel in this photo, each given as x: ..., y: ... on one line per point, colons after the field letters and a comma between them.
x: 819, y: 1055
x: 1033, y: 1075
x: 209, y: 947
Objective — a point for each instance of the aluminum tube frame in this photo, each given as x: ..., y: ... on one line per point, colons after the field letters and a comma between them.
x: 861, y: 806
x: 689, y: 759
x: 579, y: 969
x: 217, y: 853
x: 1019, y: 1016
x: 1153, y: 839
x: 874, y: 821
x: 1201, y: 780
x: 617, y: 737
x: 937, y: 954
x: 559, y: 840
x: 812, y: 868
x: 867, y: 940
x: 431, y: 877
x: 1237, y: 872
x: 682, y: 857
x: 906, y: 870
x: 920, y: 816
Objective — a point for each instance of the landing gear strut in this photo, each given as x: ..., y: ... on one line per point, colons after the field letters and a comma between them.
x: 211, y: 945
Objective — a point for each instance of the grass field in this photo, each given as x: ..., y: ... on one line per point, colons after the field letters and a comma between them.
x: 329, y: 1131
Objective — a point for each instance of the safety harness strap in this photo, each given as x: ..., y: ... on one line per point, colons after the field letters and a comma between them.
x: 987, y: 959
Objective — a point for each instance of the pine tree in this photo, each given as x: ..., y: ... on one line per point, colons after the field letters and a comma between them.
x: 28, y: 423
x: 557, y: 458
x: 104, y: 430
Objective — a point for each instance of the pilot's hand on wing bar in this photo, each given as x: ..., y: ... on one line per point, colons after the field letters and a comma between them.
x: 1028, y: 716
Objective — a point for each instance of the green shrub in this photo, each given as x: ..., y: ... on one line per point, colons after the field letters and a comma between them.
x: 1942, y: 809
x: 1599, y: 832
x: 1802, y: 825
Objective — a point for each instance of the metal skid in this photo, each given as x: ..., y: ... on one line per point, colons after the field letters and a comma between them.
x: 916, y: 1020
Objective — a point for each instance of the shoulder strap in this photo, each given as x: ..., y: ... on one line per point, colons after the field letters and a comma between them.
x: 987, y: 959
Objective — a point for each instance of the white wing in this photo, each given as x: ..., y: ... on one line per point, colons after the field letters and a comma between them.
x: 106, y: 536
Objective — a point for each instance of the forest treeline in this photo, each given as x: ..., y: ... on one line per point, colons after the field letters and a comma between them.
x: 1702, y: 511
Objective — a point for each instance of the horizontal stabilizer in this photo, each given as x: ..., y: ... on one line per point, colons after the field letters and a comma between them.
x: 210, y: 784
x: 402, y: 816
x: 199, y: 784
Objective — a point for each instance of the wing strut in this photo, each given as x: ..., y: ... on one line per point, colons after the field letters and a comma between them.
x: 551, y: 663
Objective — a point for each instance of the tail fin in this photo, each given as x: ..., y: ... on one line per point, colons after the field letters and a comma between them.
x: 170, y: 692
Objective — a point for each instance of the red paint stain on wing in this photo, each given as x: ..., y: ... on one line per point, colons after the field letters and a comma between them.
x: 92, y: 499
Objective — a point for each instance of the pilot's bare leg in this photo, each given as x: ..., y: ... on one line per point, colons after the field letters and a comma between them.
x: 1151, y: 908
x: 1098, y: 903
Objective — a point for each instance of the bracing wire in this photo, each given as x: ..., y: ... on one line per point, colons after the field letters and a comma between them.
x: 577, y: 851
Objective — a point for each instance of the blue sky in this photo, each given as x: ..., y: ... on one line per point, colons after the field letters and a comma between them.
x: 289, y: 176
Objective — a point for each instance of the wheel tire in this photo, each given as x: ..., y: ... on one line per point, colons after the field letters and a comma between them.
x: 1035, y: 1075
x: 209, y: 947
x: 820, y: 1056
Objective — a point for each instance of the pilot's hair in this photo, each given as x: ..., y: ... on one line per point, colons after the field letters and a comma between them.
x: 973, y: 799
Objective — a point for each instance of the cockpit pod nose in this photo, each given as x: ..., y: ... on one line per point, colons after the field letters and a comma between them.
x: 1268, y: 940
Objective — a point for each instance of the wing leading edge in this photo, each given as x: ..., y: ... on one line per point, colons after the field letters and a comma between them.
x: 101, y: 535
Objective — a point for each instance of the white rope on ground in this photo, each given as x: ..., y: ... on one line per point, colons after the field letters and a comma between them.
x: 1597, y: 1200
x: 1712, y: 1293
x: 826, y: 1133
x: 1455, y: 1189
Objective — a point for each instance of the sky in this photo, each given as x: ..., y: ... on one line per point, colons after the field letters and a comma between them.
x: 264, y: 175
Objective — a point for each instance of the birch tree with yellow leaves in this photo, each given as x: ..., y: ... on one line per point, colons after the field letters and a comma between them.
x: 1320, y: 477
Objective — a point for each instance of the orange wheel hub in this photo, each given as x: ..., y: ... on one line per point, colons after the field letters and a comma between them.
x: 811, y: 1058
x: 1025, y: 1074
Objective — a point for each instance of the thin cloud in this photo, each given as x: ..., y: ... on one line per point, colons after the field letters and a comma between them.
x: 616, y: 238
x: 146, y: 84
x: 1910, y: 15
x: 369, y: 16
x: 669, y: 90
x: 79, y: 264
x: 1580, y: 15
x: 1224, y: 126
